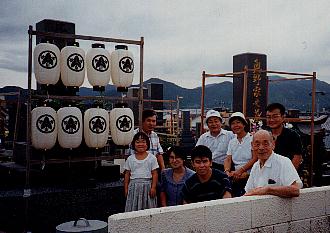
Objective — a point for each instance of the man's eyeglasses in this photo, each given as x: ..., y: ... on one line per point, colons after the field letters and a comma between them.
x: 275, y: 116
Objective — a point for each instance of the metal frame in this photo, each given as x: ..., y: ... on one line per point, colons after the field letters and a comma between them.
x: 245, y: 73
x: 32, y: 33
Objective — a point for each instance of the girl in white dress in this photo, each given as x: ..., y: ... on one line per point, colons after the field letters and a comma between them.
x: 140, y: 176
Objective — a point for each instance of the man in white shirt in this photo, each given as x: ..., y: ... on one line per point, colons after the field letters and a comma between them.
x: 272, y: 174
x: 216, y: 139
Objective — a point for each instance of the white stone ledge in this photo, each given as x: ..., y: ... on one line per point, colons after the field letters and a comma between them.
x: 243, y: 214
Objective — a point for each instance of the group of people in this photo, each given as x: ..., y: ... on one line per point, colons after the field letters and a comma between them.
x: 226, y: 163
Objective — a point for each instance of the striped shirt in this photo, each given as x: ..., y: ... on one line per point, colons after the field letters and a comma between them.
x: 155, y: 147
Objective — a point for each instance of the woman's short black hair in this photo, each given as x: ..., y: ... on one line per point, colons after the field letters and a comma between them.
x: 246, y: 126
x: 141, y: 135
x: 201, y: 151
x: 179, y: 153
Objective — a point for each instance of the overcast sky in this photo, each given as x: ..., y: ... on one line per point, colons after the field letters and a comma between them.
x: 182, y: 38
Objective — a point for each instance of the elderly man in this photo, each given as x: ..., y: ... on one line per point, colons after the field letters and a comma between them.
x: 272, y: 174
x: 216, y: 139
x: 287, y: 141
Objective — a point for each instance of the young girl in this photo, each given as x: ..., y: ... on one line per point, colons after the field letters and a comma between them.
x: 140, y: 176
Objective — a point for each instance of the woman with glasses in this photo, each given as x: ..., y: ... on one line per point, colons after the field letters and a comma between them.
x: 172, y: 179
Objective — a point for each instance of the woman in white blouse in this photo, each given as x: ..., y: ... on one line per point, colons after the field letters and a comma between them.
x: 240, y: 158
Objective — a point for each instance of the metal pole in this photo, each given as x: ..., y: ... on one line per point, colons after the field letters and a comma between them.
x: 245, y: 77
x: 312, y: 129
x: 202, y: 103
x: 177, y: 119
x: 17, y: 118
x: 28, y: 127
x: 141, y: 83
x: 171, y: 120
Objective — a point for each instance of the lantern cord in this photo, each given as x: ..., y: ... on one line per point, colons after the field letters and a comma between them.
x: 122, y: 97
x: 95, y: 160
x: 43, y: 163
x: 69, y: 161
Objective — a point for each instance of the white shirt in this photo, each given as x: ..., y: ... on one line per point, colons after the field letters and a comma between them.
x: 277, y: 171
x: 218, y: 145
x: 141, y: 168
x: 240, y: 151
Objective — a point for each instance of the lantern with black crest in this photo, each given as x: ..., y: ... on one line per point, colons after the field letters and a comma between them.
x: 73, y: 65
x: 70, y: 127
x: 46, y: 60
x: 43, y: 128
x: 122, y: 67
x: 96, y: 127
x: 98, y: 66
x: 122, y: 125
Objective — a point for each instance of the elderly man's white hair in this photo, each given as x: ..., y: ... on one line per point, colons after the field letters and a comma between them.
x: 263, y: 132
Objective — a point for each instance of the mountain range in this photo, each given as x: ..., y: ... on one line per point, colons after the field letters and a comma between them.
x: 291, y: 93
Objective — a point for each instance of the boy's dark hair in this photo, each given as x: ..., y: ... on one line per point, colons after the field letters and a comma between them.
x: 148, y: 113
x: 274, y: 106
x: 177, y: 151
x: 141, y: 135
x: 201, y: 151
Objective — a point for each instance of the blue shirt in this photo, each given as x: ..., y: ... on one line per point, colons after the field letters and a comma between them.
x: 173, y: 189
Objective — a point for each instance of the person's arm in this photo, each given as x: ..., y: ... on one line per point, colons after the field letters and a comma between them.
x: 154, y: 175
x: 185, y: 194
x: 227, y: 165
x: 297, y: 157
x: 246, y: 167
x: 126, y: 181
x: 292, y: 190
x: 227, y: 195
x: 296, y: 161
x: 163, y: 199
x: 160, y: 161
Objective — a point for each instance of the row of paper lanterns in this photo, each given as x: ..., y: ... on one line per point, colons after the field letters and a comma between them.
x: 70, y: 64
x: 68, y: 126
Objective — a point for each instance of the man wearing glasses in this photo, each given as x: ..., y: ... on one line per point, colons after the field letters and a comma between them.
x: 272, y: 174
x: 287, y: 141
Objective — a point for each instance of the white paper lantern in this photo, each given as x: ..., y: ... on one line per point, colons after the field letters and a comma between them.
x: 96, y: 127
x: 98, y: 65
x: 43, y: 128
x: 72, y: 66
x: 122, y: 126
x: 46, y: 59
x: 122, y: 67
x: 70, y: 127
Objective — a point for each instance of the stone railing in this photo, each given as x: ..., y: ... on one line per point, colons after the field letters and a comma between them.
x: 310, y: 212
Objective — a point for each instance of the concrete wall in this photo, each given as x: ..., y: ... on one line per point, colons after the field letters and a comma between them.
x: 310, y: 212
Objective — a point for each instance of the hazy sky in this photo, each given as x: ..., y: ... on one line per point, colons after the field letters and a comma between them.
x: 182, y: 38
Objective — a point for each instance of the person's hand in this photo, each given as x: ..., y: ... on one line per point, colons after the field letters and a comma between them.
x: 126, y: 192
x: 257, y: 191
x: 237, y: 174
x: 152, y: 192
x: 228, y: 173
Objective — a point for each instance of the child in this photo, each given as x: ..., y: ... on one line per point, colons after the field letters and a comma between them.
x: 140, y: 176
